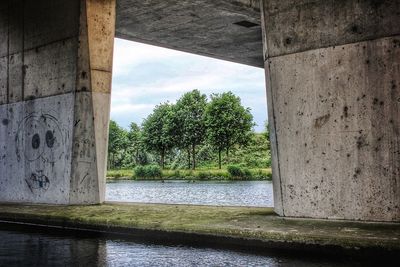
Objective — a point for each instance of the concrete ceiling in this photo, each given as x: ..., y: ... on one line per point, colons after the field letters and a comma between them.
x: 224, y: 29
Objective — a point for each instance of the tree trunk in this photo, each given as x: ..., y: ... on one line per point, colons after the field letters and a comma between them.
x: 219, y: 158
x: 162, y: 159
x: 194, y: 156
x: 188, y: 151
x: 227, y: 155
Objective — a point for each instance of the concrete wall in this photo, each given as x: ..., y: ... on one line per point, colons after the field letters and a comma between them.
x: 333, y: 79
x: 204, y: 27
x: 54, y: 99
x: 333, y: 85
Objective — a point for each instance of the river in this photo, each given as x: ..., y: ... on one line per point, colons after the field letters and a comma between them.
x: 226, y: 193
x: 33, y: 246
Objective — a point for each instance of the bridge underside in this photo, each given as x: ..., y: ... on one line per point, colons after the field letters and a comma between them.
x: 229, y: 29
x: 332, y: 79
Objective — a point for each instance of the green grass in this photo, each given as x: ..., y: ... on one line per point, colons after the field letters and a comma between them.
x: 198, y: 174
x: 119, y: 174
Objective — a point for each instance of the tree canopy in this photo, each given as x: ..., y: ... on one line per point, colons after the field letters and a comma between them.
x: 192, y: 129
x: 190, y: 109
x: 159, y: 130
x: 228, y: 122
x: 117, y: 142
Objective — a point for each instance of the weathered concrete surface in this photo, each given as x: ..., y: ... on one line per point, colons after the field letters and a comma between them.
x: 92, y: 105
x: 332, y: 73
x: 244, y: 226
x: 333, y: 79
x: 295, y: 26
x: 35, y: 155
x: 55, y: 62
x: 204, y: 27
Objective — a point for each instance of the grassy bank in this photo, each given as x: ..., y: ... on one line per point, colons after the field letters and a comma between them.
x: 200, y: 174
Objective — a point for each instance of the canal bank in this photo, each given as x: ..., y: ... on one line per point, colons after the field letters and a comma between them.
x: 250, y: 227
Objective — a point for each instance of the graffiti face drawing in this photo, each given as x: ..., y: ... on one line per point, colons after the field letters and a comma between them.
x: 38, y: 181
x: 40, y: 144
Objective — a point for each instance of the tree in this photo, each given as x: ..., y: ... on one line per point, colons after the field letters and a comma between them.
x: 228, y: 123
x: 190, y: 109
x: 135, y: 146
x: 159, y: 130
x: 266, y: 133
x: 117, y: 141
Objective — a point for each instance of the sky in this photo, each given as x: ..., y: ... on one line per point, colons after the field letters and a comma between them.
x: 145, y: 76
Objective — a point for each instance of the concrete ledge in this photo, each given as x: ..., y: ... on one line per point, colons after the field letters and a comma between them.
x: 211, y: 225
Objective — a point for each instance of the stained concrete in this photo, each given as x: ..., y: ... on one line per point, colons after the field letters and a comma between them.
x: 54, y: 99
x: 295, y: 26
x: 35, y: 155
x: 345, y: 129
x: 92, y: 105
x: 243, y: 226
x: 333, y: 75
x: 204, y: 27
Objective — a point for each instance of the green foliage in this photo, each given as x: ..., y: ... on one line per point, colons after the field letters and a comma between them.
x: 136, y: 149
x: 116, y: 137
x: 159, y: 130
x: 116, y: 174
x: 191, y: 133
x: 117, y: 144
x: 204, y: 175
x: 228, y: 122
x: 238, y: 172
x: 235, y: 171
x: 190, y: 109
x: 266, y: 130
x: 179, y: 161
x: 246, y: 172
x: 149, y: 171
x: 255, y: 155
x: 241, y: 173
x: 153, y: 172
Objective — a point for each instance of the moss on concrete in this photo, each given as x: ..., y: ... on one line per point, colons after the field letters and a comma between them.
x: 241, y: 222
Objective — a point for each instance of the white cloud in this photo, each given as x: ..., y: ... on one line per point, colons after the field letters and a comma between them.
x: 146, y: 75
x: 128, y: 55
x: 128, y: 108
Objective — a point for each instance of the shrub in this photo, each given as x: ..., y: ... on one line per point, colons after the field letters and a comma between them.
x: 247, y: 173
x: 139, y: 171
x: 176, y: 174
x: 149, y: 171
x: 235, y: 171
x: 268, y: 162
x: 221, y: 175
x: 203, y: 175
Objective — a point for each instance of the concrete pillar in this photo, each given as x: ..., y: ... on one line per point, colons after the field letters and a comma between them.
x: 333, y: 86
x: 55, y: 80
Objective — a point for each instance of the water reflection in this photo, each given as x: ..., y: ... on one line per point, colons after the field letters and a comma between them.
x: 36, y: 247
x: 238, y: 193
x: 39, y: 249
x: 131, y: 254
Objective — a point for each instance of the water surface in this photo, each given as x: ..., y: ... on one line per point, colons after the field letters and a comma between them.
x: 226, y: 193
x: 48, y: 247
